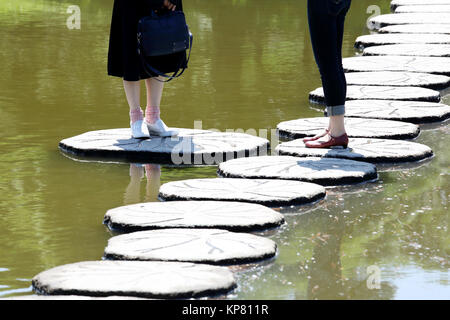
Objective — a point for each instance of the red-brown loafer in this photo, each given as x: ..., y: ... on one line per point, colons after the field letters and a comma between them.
x: 341, y: 141
x: 317, y: 137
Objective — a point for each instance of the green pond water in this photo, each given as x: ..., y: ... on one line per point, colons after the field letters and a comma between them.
x: 251, y: 68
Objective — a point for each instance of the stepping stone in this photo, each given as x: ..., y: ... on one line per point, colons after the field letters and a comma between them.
x: 381, y: 93
x: 423, y: 9
x: 234, y: 216
x: 273, y: 193
x: 362, y: 149
x: 191, y: 147
x: 398, y: 63
x: 397, y: 3
x: 323, y: 171
x: 408, y: 111
x: 211, y: 246
x: 384, y: 20
x: 162, y: 280
x: 417, y: 28
x: 356, y: 128
x: 423, y: 50
x: 400, y: 38
x: 398, y: 79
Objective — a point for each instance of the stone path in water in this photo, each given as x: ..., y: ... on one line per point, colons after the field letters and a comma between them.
x: 384, y: 20
x: 193, y: 222
x: 418, y: 50
x: 356, y: 127
x: 170, y: 280
x: 324, y: 171
x: 417, y: 28
x: 407, y: 111
x: 196, y: 146
x: 362, y: 149
x: 234, y: 216
x: 271, y: 193
x: 398, y: 79
x: 211, y: 246
x: 423, y: 8
x: 435, y: 65
x: 400, y: 38
x: 381, y: 93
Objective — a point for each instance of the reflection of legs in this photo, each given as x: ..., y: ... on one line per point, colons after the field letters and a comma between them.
x: 153, y: 173
x: 132, y: 193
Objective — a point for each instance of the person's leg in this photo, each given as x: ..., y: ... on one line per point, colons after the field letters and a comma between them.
x: 154, y: 95
x: 326, y: 38
x: 133, y: 92
x: 152, y: 113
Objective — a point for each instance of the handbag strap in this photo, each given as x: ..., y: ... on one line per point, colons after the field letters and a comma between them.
x: 149, y: 69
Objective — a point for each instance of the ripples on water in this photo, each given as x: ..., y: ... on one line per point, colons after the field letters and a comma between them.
x: 252, y: 67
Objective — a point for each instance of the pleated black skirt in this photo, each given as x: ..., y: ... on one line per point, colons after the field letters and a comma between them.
x: 123, y: 59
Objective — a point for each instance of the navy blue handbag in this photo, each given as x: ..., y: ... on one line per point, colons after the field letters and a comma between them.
x: 163, y: 40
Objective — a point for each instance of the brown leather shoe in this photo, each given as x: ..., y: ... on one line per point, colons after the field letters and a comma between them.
x: 341, y: 141
x: 316, y: 137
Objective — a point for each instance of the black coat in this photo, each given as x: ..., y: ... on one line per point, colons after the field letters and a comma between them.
x: 123, y: 59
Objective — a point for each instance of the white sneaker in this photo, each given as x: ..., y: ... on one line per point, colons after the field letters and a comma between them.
x: 159, y: 128
x: 139, y: 130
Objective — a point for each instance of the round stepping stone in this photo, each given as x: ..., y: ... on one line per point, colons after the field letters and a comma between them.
x: 417, y: 28
x: 436, y: 65
x: 356, y: 128
x: 273, y: 193
x: 407, y: 18
x: 381, y: 93
x: 212, y: 246
x: 361, y: 149
x: 397, y: 3
x: 408, y: 111
x: 235, y: 216
x: 419, y: 50
x: 398, y: 79
x: 135, y: 278
x: 191, y: 147
x: 400, y: 38
x: 423, y: 9
x: 323, y: 171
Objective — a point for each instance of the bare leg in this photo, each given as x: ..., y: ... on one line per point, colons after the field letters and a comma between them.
x: 133, y: 93
x: 337, y: 126
x: 154, y: 95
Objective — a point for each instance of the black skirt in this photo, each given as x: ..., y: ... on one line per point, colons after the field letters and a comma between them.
x: 123, y: 59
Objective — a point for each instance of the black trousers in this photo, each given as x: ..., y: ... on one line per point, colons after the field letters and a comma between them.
x: 326, y: 24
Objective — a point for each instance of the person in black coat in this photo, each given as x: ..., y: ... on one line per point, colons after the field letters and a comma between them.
x: 124, y: 62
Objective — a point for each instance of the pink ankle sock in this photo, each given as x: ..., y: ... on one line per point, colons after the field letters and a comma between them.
x: 136, y: 115
x: 152, y: 114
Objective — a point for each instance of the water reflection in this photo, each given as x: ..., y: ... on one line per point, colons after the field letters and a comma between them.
x: 152, y: 174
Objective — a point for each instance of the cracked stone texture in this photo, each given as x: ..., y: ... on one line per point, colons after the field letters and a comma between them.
x: 136, y: 279
x: 211, y: 246
x: 398, y: 79
x: 424, y: 9
x: 416, y: 28
x: 195, y: 146
x: 323, y: 171
x: 381, y: 93
x: 436, y: 65
x: 356, y: 128
x: 407, y: 18
x: 400, y: 38
x: 273, y: 193
x: 418, y: 50
x: 407, y: 111
x: 369, y: 150
x: 235, y: 216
